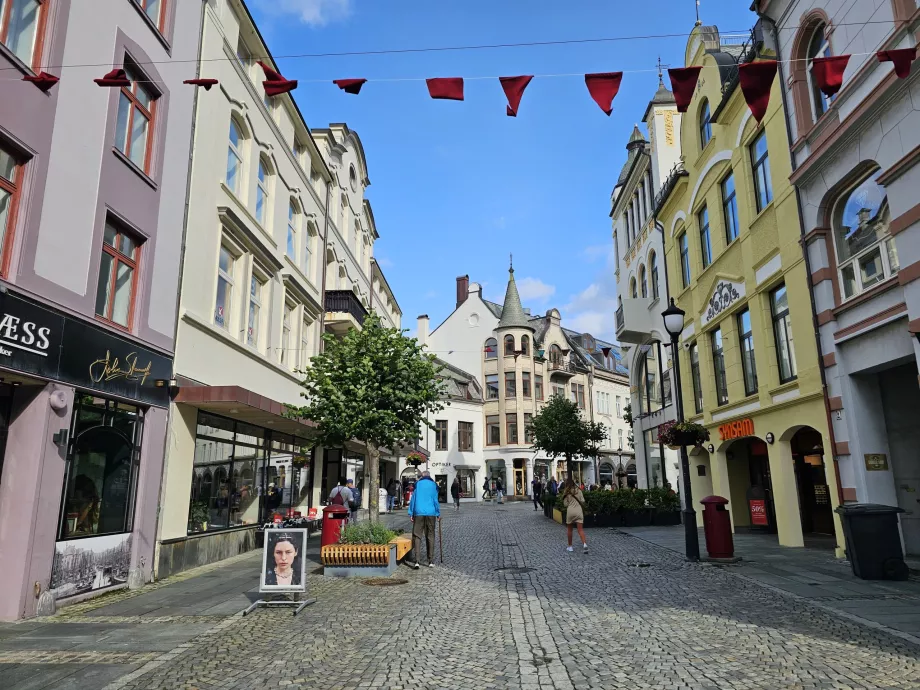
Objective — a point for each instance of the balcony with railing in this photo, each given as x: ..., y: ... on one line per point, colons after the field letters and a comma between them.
x: 562, y: 367
x: 635, y: 321
x: 343, y: 311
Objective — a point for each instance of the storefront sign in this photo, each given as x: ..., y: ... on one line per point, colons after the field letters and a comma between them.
x: 724, y: 295
x: 738, y: 429
x: 758, y: 508
x: 876, y: 461
x: 44, y: 342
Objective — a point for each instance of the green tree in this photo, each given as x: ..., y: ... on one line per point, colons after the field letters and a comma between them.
x: 628, y: 418
x: 560, y: 431
x: 375, y: 386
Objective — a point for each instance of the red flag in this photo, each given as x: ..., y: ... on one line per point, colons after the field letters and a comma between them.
x: 514, y: 90
x: 274, y: 83
x: 828, y: 73
x: 42, y: 80
x: 116, y: 77
x: 350, y: 85
x: 902, y: 59
x: 603, y: 88
x: 206, y: 83
x: 606, y: 351
x: 756, y: 80
x: 683, y: 83
x: 446, y: 88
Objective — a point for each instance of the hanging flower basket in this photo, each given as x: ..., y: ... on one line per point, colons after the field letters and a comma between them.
x: 415, y: 459
x: 675, y: 435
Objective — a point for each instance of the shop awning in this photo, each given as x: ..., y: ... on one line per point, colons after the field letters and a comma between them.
x: 245, y: 406
x: 474, y: 468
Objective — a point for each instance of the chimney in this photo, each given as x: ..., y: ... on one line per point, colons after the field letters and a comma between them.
x: 422, y: 334
x: 463, y: 289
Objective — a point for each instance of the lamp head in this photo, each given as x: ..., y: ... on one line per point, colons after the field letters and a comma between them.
x: 673, y: 319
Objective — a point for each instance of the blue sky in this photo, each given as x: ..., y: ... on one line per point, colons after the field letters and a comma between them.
x: 457, y: 186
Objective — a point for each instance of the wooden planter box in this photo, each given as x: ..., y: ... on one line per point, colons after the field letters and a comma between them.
x: 359, y: 560
x: 559, y: 516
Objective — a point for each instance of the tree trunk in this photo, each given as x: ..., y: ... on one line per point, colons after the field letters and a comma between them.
x: 569, y: 467
x: 373, y: 469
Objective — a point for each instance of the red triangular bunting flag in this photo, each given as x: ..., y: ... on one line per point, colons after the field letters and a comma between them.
x: 42, y: 80
x: 274, y: 83
x: 756, y: 81
x: 514, y: 90
x: 206, y: 83
x: 683, y: 83
x: 603, y: 88
x: 446, y: 88
x: 116, y: 77
x: 902, y: 59
x: 606, y: 351
x: 350, y: 85
x: 828, y: 73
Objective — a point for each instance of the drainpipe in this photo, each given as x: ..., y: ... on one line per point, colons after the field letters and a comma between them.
x: 811, y: 294
x: 322, y: 291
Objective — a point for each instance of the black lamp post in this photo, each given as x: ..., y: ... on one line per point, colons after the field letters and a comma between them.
x: 674, y: 324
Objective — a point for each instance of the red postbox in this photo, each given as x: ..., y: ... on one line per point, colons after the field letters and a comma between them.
x: 333, y: 518
x: 718, y: 527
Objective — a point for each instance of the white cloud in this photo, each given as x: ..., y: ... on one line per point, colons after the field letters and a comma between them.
x: 312, y: 12
x: 534, y: 290
x: 593, y: 310
x: 595, y: 252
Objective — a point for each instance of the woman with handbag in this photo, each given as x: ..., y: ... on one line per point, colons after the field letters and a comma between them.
x: 574, y: 502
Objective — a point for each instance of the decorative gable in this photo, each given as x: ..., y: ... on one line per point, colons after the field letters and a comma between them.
x: 724, y: 294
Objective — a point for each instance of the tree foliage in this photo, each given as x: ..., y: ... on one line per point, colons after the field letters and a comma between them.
x: 560, y: 431
x: 375, y: 386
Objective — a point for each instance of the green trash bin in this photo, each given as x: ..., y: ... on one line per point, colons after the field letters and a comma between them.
x: 874, y: 541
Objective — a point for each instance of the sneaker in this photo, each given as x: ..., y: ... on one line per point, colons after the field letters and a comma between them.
x: 586, y: 548
x: 569, y: 549
x: 431, y: 565
x: 414, y: 566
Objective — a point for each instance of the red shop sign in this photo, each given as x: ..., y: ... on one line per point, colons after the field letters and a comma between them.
x: 758, y: 507
x: 739, y: 429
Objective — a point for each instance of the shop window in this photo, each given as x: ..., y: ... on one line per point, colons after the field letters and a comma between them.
x: 493, y: 431
x: 465, y: 435
x: 136, y: 111
x: 22, y: 24
x: 866, y: 252
x: 467, y: 483
x: 606, y: 474
x: 490, y: 349
x: 101, y: 470
x: 782, y: 333
x: 10, y: 184
x: 511, y: 428
x: 760, y: 164
x: 118, y: 269
x: 440, y: 437
x: 509, y: 345
x: 491, y: 386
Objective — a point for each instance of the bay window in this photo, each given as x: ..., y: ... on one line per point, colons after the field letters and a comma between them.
x: 866, y: 252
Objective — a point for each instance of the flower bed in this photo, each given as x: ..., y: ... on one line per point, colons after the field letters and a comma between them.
x: 625, y: 508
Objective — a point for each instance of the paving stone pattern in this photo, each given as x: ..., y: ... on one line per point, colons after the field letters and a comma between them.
x: 629, y: 614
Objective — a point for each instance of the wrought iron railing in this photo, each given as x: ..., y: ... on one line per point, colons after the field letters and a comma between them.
x: 345, y: 301
x: 620, y: 319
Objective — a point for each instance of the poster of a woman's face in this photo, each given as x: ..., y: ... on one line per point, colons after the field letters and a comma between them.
x: 284, y: 564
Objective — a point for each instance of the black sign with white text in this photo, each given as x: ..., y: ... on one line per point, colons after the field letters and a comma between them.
x: 40, y: 341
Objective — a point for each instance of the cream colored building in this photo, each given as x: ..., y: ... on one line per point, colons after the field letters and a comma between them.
x: 521, y: 360
x: 278, y: 249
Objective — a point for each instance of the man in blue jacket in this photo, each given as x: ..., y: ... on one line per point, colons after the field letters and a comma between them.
x: 424, y: 509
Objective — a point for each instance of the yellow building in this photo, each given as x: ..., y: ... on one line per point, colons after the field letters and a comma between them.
x: 749, y: 363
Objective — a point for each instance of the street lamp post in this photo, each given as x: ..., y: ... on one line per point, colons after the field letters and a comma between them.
x: 674, y: 324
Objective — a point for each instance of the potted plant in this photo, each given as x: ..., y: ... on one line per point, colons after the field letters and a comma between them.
x: 365, y: 548
x: 415, y: 459
x: 198, y: 515
x: 677, y: 434
x: 665, y: 506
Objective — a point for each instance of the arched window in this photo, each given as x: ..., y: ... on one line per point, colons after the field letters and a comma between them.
x: 653, y: 269
x: 555, y: 354
x: 606, y: 474
x: 235, y: 158
x: 643, y: 281
x: 293, y: 227
x: 525, y: 345
x: 633, y: 290
x: 491, y: 348
x: 818, y: 47
x: 509, y: 345
x: 866, y: 253
x: 262, y: 191
x: 705, y: 124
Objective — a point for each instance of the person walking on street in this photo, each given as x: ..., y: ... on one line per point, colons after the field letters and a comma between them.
x: 499, y: 490
x: 341, y: 495
x: 574, y: 502
x: 392, y: 494
x: 424, y: 511
x: 537, y: 487
x: 455, y: 492
x: 355, y: 504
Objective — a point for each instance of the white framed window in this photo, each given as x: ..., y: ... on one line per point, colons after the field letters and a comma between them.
x: 288, y: 353
x: 293, y: 226
x: 818, y: 47
x: 309, y: 244
x: 235, y: 158
x: 866, y: 252
x: 223, y: 304
x: 254, y: 317
x: 619, y: 414
x: 245, y: 58
x: 306, y: 342
x: 263, y: 191
x: 619, y: 438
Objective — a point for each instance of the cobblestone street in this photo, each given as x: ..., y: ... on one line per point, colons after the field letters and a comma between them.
x: 627, y: 615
